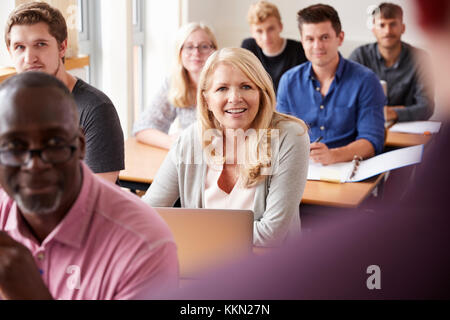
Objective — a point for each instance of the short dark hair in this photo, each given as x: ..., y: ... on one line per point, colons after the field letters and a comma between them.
x: 36, y: 79
x: 319, y: 13
x: 388, y: 10
x: 33, y: 13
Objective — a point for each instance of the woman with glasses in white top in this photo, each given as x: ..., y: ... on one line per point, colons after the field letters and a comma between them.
x: 177, y: 96
x: 241, y: 153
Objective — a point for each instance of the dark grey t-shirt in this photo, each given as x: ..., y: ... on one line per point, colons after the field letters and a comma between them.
x: 101, y: 125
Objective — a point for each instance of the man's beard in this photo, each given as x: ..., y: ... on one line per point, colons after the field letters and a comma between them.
x: 41, y: 205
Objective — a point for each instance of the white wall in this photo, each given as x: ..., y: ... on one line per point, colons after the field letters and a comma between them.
x: 6, y: 6
x: 116, y: 58
x: 228, y: 18
x: 161, y: 23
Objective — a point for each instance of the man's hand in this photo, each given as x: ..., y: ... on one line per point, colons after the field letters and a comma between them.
x: 19, y: 275
x: 390, y: 114
x: 321, y: 153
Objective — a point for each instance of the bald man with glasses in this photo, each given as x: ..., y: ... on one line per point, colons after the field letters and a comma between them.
x: 64, y: 232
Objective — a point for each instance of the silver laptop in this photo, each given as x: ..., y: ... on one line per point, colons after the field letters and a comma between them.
x: 208, y: 238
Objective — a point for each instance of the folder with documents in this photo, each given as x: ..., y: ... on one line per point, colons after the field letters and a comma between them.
x: 356, y: 170
x: 416, y: 127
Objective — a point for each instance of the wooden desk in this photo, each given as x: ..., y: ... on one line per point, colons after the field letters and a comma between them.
x: 142, y: 162
x: 398, y: 139
x: 5, y: 73
x: 343, y: 195
x: 71, y: 63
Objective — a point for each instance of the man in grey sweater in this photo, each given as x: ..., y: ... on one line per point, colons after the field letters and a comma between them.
x: 394, y: 61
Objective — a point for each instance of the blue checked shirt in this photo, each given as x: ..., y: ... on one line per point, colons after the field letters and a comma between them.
x: 351, y: 110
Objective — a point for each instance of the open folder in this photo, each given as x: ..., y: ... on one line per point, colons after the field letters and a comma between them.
x: 356, y: 170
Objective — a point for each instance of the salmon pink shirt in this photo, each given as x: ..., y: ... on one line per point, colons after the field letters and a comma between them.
x: 110, y: 245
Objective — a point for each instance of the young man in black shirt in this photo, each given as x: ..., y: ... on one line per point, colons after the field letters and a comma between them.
x: 277, y: 54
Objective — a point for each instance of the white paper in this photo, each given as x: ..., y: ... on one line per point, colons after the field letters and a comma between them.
x: 417, y: 127
x: 388, y: 161
x: 337, y: 171
x: 367, y: 168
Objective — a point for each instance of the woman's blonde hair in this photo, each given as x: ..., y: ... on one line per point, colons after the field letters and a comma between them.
x: 181, y: 91
x: 266, y: 118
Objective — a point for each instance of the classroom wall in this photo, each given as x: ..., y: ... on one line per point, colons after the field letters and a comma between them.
x: 115, y: 57
x: 6, y: 6
x: 228, y: 18
x: 162, y: 20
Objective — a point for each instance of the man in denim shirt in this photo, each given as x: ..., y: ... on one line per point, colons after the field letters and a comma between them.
x: 394, y: 61
x: 340, y: 100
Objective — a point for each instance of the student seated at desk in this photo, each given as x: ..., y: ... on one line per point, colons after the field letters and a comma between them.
x: 340, y: 100
x: 410, y: 98
x: 241, y: 154
x: 277, y: 54
x: 176, y: 98
x: 65, y: 233
x: 36, y: 38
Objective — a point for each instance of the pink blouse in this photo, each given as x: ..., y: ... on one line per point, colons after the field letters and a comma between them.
x: 215, y: 198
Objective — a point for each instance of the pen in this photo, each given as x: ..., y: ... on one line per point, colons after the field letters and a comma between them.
x: 318, y: 139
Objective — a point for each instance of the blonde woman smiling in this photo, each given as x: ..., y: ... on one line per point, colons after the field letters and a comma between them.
x: 176, y: 98
x: 206, y: 167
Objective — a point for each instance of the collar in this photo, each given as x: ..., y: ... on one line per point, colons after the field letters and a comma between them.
x: 339, y: 70
x: 74, y: 227
x: 12, y: 224
x: 283, y: 46
x: 402, y: 55
x: 72, y: 230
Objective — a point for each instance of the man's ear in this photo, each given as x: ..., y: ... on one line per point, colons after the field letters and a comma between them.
x: 81, y: 143
x: 62, y: 49
x: 341, y: 37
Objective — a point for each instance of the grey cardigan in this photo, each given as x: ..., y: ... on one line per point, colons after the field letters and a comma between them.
x: 277, y: 198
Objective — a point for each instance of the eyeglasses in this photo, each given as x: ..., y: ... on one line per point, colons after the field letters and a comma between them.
x: 50, y: 154
x: 202, y: 48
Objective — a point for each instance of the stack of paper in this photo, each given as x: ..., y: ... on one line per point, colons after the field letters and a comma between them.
x: 417, y: 127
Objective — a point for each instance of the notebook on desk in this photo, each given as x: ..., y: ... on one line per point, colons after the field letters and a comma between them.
x: 208, y: 237
x: 356, y: 170
x: 417, y: 127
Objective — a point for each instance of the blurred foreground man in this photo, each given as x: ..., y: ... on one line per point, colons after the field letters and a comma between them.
x: 64, y: 232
